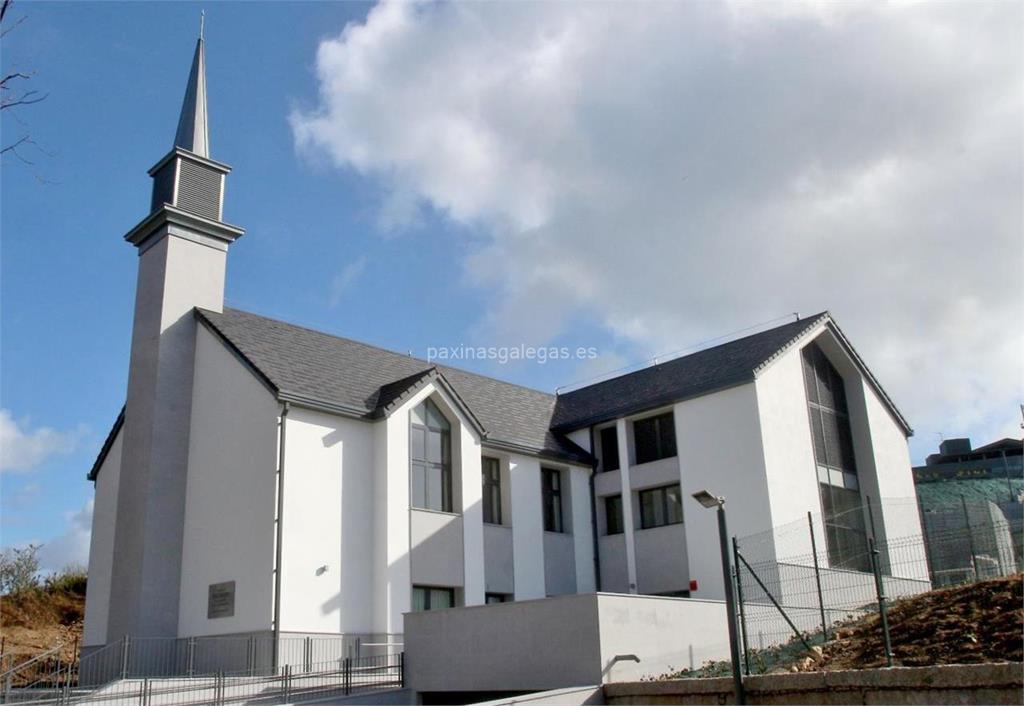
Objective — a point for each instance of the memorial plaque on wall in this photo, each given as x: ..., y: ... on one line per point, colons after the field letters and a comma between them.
x: 221, y: 603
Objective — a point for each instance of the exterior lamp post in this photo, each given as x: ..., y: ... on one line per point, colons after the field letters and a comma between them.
x: 713, y: 501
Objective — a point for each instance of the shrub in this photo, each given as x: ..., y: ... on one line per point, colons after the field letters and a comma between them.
x: 19, y: 569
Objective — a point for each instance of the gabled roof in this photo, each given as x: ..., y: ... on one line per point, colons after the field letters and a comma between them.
x: 337, y: 374
x: 701, y: 373
x: 391, y: 396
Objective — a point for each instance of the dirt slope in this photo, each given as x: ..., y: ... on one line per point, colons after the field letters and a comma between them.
x: 34, y: 621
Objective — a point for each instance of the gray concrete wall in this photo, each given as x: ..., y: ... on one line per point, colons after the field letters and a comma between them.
x: 951, y: 684
x: 560, y: 642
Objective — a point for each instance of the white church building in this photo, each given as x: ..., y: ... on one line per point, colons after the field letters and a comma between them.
x: 268, y: 479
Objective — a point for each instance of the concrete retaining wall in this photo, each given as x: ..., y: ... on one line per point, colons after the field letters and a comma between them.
x: 959, y: 684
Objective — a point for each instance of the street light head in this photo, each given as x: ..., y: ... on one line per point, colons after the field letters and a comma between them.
x: 708, y: 500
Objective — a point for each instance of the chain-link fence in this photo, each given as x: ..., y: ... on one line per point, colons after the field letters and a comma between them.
x: 796, y: 582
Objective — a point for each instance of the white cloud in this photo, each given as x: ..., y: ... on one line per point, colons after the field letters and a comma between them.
x: 344, y: 280
x: 70, y: 548
x: 23, y: 449
x: 677, y: 170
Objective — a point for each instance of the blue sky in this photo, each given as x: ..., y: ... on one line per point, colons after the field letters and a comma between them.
x: 543, y: 174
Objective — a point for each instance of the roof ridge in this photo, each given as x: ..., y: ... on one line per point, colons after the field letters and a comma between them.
x: 811, y: 321
x: 426, y: 362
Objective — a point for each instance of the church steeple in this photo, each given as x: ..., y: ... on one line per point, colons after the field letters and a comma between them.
x: 183, y: 247
x: 192, y: 132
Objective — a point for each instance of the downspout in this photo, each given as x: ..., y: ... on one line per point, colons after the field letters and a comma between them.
x: 593, y: 514
x: 279, y: 535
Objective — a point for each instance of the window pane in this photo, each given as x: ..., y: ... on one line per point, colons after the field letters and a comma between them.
x: 648, y: 514
x: 434, y: 446
x: 441, y: 598
x: 435, y: 488
x: 418, y: 443
x: 419, y: 485
x: 666, y: 436
x: 419, y: 414
x: 419, y: 598
x: 674, y: 504
x: 613, y: 514
x: 434, y: 417
x: 609, y: 449
x: 645, y: 440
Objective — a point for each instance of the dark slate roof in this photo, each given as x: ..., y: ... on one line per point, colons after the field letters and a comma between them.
x: 321, y: 370
x: 105, y: 449
x: 700, y: 373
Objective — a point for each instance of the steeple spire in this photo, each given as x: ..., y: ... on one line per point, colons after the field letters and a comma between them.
x: 193, y: 134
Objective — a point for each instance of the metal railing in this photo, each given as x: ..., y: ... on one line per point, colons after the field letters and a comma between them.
x: 336, y: 677
x: 796, y: 582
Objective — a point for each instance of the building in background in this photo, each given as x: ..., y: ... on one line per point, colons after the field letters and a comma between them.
x: 971, y: 509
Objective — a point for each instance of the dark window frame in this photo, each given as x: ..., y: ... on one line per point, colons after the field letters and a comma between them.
x: 662, y: 434
x: 619, y: 525
x: 491, y: 472
x: 428, y: 591
x: 551, y: 492
x: 661, y: 495
x: 832, y: 442
x: 444, y: 466
x: 609, y: 461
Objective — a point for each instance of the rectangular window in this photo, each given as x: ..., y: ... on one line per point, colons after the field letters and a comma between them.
x: 551, y: 486
x: 432, y: 598
x: 661, y: 506
x: 492, y: 490
x: 609, y: 449
x: 654, y: 438
x: 613, y: 514
x: 497, y: 598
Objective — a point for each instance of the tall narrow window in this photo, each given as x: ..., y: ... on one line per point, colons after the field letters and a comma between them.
x: 609, y: 449
x: 551, y: 485
x: 654, y: 438
x: 613, y: 514
x: 430, y: 454
x: 845, y: 529
x: 492, y: 490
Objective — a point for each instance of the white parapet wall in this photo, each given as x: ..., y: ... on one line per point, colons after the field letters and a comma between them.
x: 566, y: 641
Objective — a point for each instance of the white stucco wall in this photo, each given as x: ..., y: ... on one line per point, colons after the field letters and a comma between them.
x: 718, y: 438
x: 328, y: 500
x: 498, y: 572
x: 614, y: 575
x: 527, y: 527
x: 583, y: 532
x: 101, y: 547
x: 559, y: 564
x: 230, y: 494
x: 661, y: 564
x: 437, y: 543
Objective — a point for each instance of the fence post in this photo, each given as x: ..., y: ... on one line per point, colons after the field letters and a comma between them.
x: 970, y: 537
x: 307, y: 653
x: 817, y: 578
x: 250, y: 655
x: 880, y: 591
x: 287, y: 679
x: 220, y: 687
x: 346, y: 678
x: 739, y: 600
x: 401, y: 668
x: 125, y: 646
x: 143, y: 692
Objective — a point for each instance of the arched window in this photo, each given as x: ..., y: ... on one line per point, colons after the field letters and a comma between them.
x: 430, y: 454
